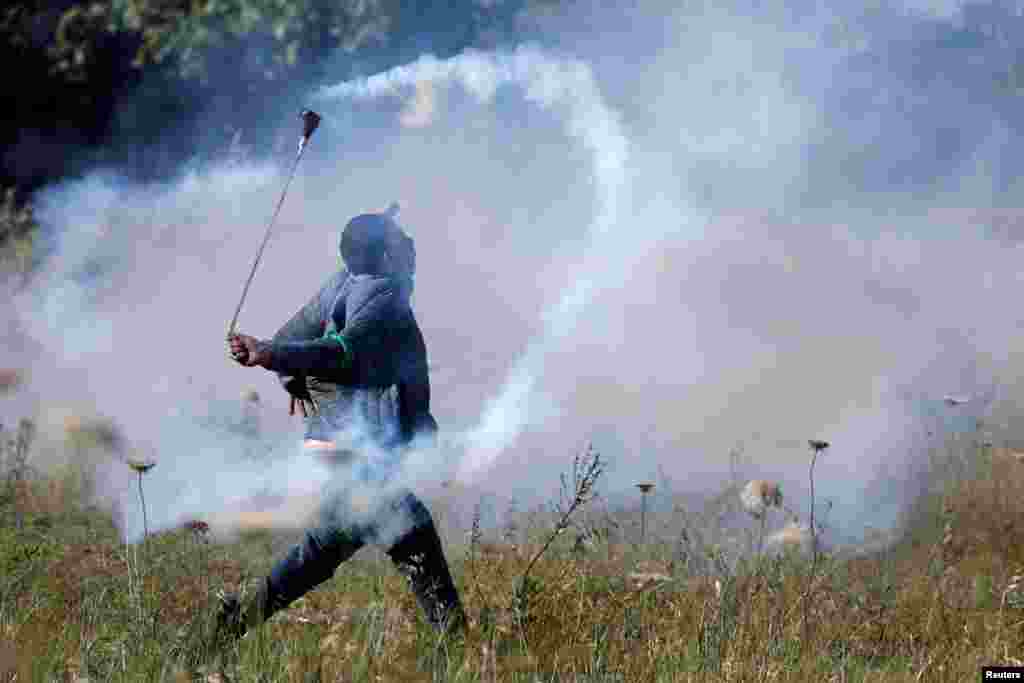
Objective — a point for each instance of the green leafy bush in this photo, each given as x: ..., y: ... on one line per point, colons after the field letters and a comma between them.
x: 17, y: 230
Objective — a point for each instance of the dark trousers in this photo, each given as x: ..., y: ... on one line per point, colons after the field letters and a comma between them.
x: 347, y: 520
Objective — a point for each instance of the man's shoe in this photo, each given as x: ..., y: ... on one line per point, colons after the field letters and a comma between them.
x: 229, y: 625
x: 237, y: 614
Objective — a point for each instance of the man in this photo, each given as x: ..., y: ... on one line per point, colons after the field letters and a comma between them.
x: 354, y: 362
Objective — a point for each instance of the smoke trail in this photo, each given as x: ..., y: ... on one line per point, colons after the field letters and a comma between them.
x: 568, y: 88
x: 848, y: 258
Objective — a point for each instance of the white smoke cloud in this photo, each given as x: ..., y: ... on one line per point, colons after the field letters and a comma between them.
x: 619, y: 243
x: 569, y: 87
x: 420, y: 109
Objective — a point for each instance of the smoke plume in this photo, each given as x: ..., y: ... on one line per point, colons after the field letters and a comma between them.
x: 667, y: 233
x: 568, y: 87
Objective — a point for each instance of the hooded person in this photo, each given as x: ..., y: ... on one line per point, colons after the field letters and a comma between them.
x: 354, y: 361
x: 354, y: 356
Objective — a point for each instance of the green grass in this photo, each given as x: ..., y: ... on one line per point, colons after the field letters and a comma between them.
x: 934, y: 607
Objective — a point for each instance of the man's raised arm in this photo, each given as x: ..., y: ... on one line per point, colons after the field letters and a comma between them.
x: 330, y: 357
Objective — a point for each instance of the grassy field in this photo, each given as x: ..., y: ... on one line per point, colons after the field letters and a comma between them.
x: 940, y: 602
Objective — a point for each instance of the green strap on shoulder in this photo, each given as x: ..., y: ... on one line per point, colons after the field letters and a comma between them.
x: 346, y: 352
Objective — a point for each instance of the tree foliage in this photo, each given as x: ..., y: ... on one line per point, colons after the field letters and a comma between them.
x: 286, y: 33
x: 110, y: 78
x: 264, y: 39
x: 100, y: 68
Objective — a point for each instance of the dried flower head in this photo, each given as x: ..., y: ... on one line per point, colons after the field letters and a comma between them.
x: 10, y: 379
x: 141, y: 466
x: 645, y: 488
x: 759, y: 495
x: 818, y: 445
x: 197, y: 526
x: 792, y: 535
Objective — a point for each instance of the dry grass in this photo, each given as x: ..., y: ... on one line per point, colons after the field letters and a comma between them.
x: 938, y: 605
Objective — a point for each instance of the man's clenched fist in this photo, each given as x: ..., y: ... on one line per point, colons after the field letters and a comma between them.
x: 248, y: 351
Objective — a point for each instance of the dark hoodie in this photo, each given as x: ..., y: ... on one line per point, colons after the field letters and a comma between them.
x: 356, y: 349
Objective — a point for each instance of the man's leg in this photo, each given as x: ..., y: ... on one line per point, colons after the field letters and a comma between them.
x: 418, y: 555
x: 307, y: 565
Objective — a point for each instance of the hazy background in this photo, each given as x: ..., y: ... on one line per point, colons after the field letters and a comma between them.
x: 813, y: 235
